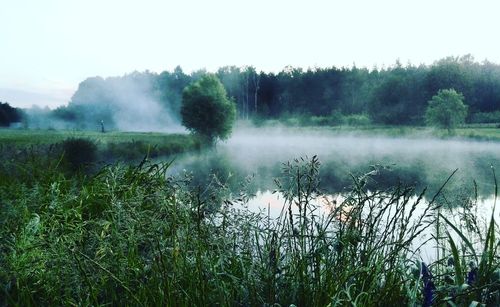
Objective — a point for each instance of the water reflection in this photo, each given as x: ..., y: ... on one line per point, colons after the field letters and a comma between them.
x: 251, y: 160
x: 422, y: 163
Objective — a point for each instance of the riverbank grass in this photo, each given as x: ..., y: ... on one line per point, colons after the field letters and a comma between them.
x: 131, y: 235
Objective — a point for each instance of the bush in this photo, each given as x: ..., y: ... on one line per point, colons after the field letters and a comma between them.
x: 79, y: 152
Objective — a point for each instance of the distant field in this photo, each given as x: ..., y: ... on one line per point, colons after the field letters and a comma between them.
x: 125, y: 145
x: 25, y: 137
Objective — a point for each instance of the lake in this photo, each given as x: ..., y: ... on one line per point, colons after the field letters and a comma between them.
x: 417, y: 161
x: 250, y: 161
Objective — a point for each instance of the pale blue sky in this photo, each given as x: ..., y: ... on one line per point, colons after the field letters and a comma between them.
x: 48, y: 46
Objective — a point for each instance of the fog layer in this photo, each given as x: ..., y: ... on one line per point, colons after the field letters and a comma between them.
x: 129, y: 103
x: 418, y: 161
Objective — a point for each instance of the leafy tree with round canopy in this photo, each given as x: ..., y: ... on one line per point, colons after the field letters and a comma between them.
x: 446, y: 109
x: 206, y: 110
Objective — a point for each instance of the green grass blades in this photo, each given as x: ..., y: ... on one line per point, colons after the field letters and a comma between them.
x: 132, y: 235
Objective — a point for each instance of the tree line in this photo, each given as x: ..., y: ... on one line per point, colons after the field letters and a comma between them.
x: 9, y: 114
x: 397, y: 95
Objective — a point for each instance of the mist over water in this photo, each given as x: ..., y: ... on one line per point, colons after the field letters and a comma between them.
x: 260, y: 143
x: 417, y: 161
x: 422, y: 162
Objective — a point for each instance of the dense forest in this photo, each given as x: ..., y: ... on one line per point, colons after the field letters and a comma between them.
x: 8, y: 115
x: 397, y: 95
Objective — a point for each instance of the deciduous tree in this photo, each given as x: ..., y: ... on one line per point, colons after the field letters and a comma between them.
x: 446, y: 109
x: 206, y: 110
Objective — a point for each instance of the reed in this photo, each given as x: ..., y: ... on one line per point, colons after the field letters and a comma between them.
x: 131, y: 235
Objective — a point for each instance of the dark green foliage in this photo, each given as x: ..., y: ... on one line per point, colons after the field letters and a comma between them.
x: 169, y: 87
x: 67, y: 113
x: 456, y: 73
x: 484, y: 117
x: 8, y: 115
x: 206, y: 110
x: 79, y: 152
x: 400, y: 97
x: 396, y: 95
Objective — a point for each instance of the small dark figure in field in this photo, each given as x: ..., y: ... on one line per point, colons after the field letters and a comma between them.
x: 102, y: 126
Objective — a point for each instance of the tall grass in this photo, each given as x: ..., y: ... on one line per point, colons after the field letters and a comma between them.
x: 131, y: 235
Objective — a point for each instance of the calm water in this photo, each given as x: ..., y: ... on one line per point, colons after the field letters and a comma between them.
x: 412, y: 161
x: 252, y: 158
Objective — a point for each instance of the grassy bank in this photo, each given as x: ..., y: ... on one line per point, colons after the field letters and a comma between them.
x: 110, y: 145
x: 130, y: 235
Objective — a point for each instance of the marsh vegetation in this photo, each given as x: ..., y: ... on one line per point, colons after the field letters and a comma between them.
x: 191, y: 232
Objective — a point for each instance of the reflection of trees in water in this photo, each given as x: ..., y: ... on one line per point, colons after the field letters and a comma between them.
x: 420, y: 175
x: 336, y: 174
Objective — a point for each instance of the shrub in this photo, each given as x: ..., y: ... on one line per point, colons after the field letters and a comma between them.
x: 79, y: 152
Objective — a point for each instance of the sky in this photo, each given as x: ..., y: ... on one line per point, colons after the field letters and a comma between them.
x: 48, y: 47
